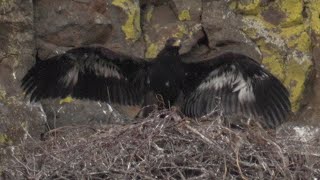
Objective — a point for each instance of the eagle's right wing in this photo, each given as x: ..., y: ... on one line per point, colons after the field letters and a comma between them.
x: 238, y: 85
x: 87, y: 73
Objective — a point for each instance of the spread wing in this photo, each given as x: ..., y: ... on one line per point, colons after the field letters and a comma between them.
x: 238, y: 85
x: 87, y: 73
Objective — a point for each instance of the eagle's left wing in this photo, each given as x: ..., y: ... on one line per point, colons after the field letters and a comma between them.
x: 94, y: 73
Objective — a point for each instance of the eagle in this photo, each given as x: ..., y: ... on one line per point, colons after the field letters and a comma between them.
x: 232, y: 81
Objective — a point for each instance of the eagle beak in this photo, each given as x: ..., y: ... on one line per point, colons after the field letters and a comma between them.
x: 177, y: 43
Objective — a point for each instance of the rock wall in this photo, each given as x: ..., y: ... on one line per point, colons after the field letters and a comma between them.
x: 283, y: 35
x: 16, y: 53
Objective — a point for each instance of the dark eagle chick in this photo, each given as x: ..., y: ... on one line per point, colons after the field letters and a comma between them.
x: 235, y: 82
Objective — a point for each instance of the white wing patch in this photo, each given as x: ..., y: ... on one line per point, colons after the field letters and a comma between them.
x: 232, y: 79
x: 71, y: 78
x: 245, y: 91
x: 263, y: 76
x: 106, y: 71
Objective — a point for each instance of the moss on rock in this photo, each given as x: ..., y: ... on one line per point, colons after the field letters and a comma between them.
x: 4, y: 139
x: 2, y: 94
x: 296, y: 73
x: 297, y: 37
x: 131, y: 28
x: 152, y: 50
x: 181, y: 31
x: 272, y: 59
x: 149, y: 13
x: 293, y: 12
x: 249, y: 7
x: 184, y: 15
x: 286, y: 47
x: 68, y: 99
x: 314, y: 13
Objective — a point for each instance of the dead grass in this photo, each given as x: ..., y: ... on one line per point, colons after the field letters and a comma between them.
x: 164, y: 146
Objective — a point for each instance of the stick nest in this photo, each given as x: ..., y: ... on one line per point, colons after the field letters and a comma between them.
x: 165, y: 146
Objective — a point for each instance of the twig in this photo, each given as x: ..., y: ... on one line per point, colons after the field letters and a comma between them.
x: 199, y: 134
x: 180, y: 173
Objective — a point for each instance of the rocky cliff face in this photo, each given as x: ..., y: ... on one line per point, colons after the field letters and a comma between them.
x: 284, y: 36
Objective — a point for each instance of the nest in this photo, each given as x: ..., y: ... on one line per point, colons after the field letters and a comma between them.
x: 164, y: 146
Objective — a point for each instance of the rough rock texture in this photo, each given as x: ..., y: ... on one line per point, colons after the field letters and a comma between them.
x: 222, y: 27
x: 16, y: 53
x: 60, y: 25
x: 281, y: 29
x: 312, y: 102
x: 283, y: 35
x: 17, y: 118
x: 179, y: 19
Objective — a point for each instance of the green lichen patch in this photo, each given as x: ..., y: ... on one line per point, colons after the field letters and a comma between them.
x: 297, y: 37
x: 155, y: 45
x: 149, y: 13
x: 2, y: 94
x: 293, y: 11
x: 182, y: 30
x: 249, y: 7
x: 272, y: 59
x: 256, y: 28
x: 131, y: 28
x: 184, y: 15
x: 275, y: 64
x: 68, y: 99
x: 233, y: 5
x: 152, y: 50
x: 285, y: 46
x: 4, y: 139
x: 314, y: 9
x: 296, y: 76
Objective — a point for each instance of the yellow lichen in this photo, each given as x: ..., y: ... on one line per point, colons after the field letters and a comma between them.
x: 296, y: 37
x: 286, y: 47
x: 293, y: 74
x: 296, y: 75
x: 2, y: 94
x: 293, y: 12
x: 4, y: 139
x: 291, y: 31
x: 68, y: 99
x: 131, y: 28
x: 250, y: 7
x: 153, y: 48
x: 303, y: 42
x: 272, y: 59
x: 184, y: 15
x: 233, y: 5
x: 152, y: 51
x: 256, y: 27
x: 149, y: 13
x: 181, y: 31
x: 275, y: 64
x: 314, y: 7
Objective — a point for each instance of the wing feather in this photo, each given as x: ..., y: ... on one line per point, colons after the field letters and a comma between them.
x: 241, y: 84
x: 86, y: 73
